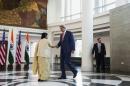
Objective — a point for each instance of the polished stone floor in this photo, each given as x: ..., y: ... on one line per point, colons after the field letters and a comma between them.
x: 26, y: 78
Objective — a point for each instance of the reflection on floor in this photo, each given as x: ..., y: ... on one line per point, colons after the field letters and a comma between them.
x: 24, y: 77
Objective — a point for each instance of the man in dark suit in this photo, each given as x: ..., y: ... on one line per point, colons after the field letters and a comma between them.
x: 67, y: 45
x: 100, y: 53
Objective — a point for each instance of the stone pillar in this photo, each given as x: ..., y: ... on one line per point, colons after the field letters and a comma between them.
x: 51, y: 58
x: 87, y: 34
x: 53, y: 11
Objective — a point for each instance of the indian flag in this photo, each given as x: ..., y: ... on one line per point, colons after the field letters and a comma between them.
x: 26, y: 55
x: 11, y: 58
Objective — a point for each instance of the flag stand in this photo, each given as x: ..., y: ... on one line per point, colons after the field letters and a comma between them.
x: 10, y: 67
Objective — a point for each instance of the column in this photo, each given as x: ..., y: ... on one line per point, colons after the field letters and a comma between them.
x: 87, y: 34
x: 53, y: 11
x: 51, y: 58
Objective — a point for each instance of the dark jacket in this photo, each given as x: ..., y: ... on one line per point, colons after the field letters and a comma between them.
x: 95, y: 49
x: 68, y: 44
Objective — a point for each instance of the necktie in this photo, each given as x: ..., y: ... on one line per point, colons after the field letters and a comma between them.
x: 62, y: 36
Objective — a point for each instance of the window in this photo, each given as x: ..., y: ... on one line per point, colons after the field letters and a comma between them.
x: 70, y: 9
x: 103, y: 5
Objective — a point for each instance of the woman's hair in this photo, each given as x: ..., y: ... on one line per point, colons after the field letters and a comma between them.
x: 44, y: 35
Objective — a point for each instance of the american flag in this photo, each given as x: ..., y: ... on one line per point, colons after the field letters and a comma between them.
x: 18, y: 51
x: 2, y: 51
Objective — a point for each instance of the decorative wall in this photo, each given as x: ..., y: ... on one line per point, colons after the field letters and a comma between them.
x: 24, y: 13
x: 120, y: 39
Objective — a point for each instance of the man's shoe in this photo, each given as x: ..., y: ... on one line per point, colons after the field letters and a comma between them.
x: 75, y: 74
x: 39, y: 80
x: 62, y: 78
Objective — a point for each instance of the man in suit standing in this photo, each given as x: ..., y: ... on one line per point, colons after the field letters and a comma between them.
x: 100, y: 53
x: 67, y: 45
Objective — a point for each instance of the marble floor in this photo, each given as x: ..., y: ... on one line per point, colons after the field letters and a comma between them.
x: 26, y: 78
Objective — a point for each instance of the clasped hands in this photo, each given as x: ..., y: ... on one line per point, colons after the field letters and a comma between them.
x: 57, y: 47
x: 52, y: 46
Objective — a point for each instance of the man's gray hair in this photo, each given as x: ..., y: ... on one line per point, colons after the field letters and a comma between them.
x: 63, y: 26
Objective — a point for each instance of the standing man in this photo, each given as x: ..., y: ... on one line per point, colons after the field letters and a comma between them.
x: 67, y: 45
x: 100, y: 53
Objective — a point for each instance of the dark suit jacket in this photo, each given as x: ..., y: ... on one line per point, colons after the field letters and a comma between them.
x: 67, y: 44
x: 95, y: 49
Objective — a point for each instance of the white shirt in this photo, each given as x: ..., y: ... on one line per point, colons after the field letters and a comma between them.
x: 64, y: 34
x: 99, y: 47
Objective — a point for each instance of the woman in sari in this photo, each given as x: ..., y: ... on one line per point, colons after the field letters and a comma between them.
x: 41, y: 60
